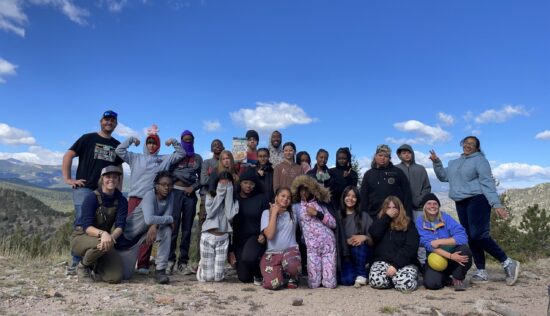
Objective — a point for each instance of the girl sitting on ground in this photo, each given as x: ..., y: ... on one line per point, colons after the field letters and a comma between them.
x: 281, y: 263
x: 358, y: 250
x: 396, y: 240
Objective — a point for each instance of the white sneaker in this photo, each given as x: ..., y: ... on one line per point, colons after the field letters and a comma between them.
x: 170, y: 267
x: 360, y: 281
x: 480, y: 276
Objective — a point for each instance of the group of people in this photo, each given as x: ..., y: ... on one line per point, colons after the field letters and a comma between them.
x: 275, y: 217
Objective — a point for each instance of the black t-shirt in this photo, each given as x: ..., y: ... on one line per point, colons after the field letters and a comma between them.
x: 94, y: 153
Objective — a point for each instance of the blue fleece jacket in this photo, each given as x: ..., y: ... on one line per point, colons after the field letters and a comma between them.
x: 144, y: 167
x: 445, y: 228
x: 469, y: 176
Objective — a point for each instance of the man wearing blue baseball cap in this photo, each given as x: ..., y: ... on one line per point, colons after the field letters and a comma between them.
x: 95, y: 151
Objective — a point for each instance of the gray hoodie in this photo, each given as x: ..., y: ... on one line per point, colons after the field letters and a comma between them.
x: 220, y: 209
x: 151, y: 211
x: 144, y: 167
x: 418, y: 178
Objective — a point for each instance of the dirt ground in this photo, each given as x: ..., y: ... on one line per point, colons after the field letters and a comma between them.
x: 41, y: 288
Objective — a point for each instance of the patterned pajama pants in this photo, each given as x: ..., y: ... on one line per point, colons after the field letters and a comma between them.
x: 321, y: 265
x: 213, y: 257
x: 404, y: 280
x: 278, y: 266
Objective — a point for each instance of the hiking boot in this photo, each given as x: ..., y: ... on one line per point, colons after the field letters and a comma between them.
x: 480, y: 277
x: 512, y: 270
x: 161, y: 277
x: 258, y: 281
x: 459, y: 285
x: 170, y: 267
x: 360, y: 281
x: 72, y: 268
x: 84, y: 273
x: 292, y: 284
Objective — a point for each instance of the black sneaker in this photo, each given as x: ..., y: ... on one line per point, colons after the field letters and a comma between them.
x: 459, y: 285
x: 161, y: 277
x: 84, y: 273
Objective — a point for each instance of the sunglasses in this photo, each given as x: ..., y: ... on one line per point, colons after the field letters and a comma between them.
x: 151, y: 141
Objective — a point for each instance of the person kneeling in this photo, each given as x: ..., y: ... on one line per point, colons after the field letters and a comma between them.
x: 151, y: 221
x: 101, y: 210
x: 447, y: 242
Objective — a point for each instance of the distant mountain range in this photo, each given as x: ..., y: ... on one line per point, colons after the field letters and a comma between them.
x: 45, y: 183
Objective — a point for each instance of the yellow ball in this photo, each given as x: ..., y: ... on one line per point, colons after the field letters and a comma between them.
x: 437, y: 262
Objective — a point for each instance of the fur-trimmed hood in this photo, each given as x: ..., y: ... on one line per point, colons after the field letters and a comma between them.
x: 320, y: 193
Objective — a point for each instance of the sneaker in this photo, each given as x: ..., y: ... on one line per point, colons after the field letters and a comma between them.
x: 480, y: 277
x: 184, y: 269
x: 258, y: 281
x: 170, y: 267
x: 360, y: 281
x: 72, y: 268
x: 512, y: 272
x: 292, y: 284
x: 161, y: 277
x: 459, y: 285
x: 143, y: 271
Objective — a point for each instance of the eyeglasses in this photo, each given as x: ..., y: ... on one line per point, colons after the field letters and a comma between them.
x: 110, y: 114
x: 469, y: 144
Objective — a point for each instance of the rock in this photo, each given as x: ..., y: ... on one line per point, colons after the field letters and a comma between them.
x: 51, y: 292
x: 297, y: 301
x: 164, y: 300
x: 106, y: 298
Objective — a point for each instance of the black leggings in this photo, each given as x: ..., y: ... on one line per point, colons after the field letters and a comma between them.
x: 434, y: 280
x: 248, y: 254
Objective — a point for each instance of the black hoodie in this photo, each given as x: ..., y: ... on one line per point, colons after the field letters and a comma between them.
x: 339, y: 182
x: 379, y: 183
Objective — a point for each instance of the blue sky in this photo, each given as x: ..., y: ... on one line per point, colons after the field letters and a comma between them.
x: 326, y: 73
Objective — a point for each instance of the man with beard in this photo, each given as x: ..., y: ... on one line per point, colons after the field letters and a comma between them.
x: 275, y: 149
x: 95, y: 151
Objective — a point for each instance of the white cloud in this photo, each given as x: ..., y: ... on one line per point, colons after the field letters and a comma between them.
x: 115, y: 5
x: 125, y: 131
x: 500, y: 116
x: 73, y: 12
x: 6, y: 69
x: 271, y: 116
x: 446, y: 119
x: 543, y: 135
x: 426, y: 134
x: 211, y: 126
x: 14, y: 136
x: 38, y: 155
x: 515, y: 171
x: 12, y: 17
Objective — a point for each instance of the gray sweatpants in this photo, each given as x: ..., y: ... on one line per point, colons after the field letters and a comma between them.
x: 129, y: 256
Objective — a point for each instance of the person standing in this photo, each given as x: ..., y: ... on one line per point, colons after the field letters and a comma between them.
x: 285, y: 172
x: 187, y: 174
x: 95, y: 151
x: 276, y: 155
x: 383, y: 180
x: 342, y: 175
x: 420, y: 185
x: 472, y: 187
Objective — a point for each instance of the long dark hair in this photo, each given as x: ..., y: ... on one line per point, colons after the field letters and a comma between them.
x: 357, y: 212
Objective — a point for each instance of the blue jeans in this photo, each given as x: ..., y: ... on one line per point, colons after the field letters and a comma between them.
x: 421, y: 250
x: 79, y: 194
x: 474, y: 214
x: 355, y: 267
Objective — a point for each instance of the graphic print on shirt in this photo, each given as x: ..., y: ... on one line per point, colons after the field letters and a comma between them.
x: 104, y: 152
